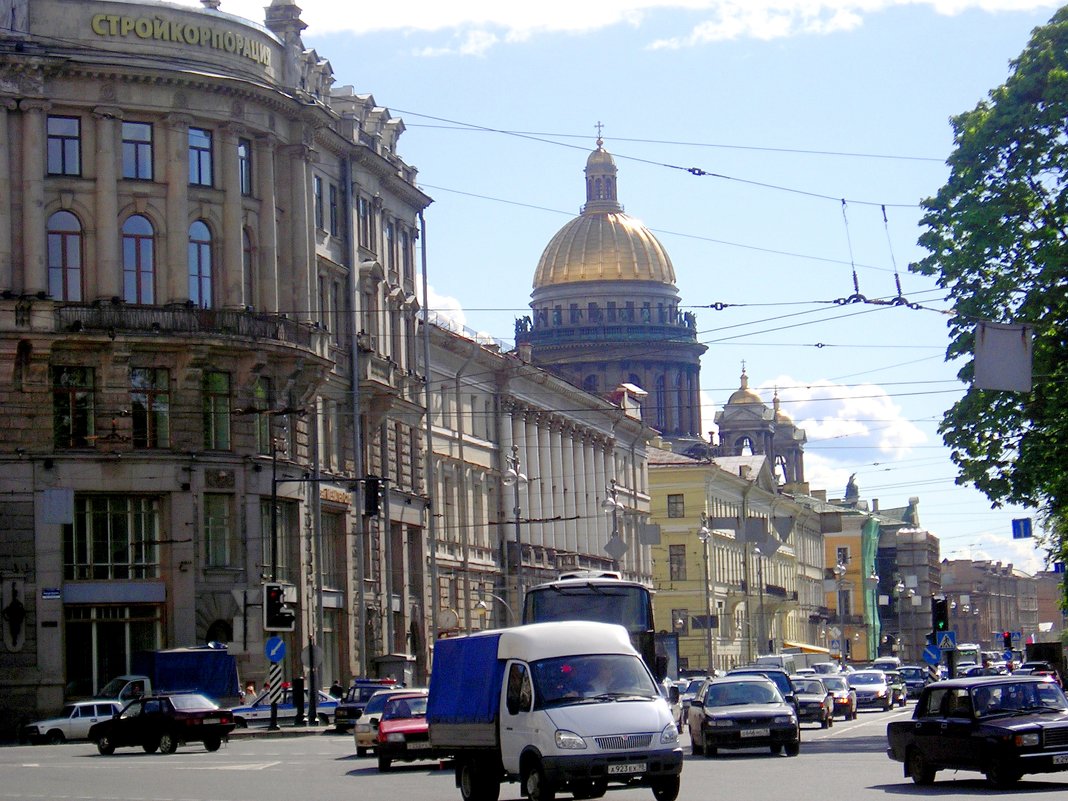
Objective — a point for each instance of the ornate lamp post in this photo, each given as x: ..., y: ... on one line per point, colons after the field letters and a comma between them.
x: 839, y: 581
x: 513, y: 477
x: 873, y: 635
x: 704, y: 533
x: 612, y: 507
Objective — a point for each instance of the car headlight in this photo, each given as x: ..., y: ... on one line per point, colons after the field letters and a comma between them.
x: 783, y: 719
x: 363, y: 728
x: 394, y: 737
x: 1028, y: 738
x: 669, y: 735
x: 569, y: 740
x: 880, y: 693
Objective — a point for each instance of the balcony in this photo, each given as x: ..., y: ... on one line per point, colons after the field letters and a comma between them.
x: 120, y: 318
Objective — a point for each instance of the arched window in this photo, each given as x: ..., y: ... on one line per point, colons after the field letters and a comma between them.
x: 248, y: 267
x: 200, y: 264
x: 64, y: 256
x: 138, y: 260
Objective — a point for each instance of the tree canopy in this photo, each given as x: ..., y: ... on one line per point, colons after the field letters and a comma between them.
x: 996, y: 241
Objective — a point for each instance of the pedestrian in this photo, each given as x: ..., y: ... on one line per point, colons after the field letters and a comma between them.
x: 336, y: 690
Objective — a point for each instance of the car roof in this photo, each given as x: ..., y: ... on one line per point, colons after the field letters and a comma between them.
x: 742, y: 678
x: 411, y: 693
x: 976, y: 681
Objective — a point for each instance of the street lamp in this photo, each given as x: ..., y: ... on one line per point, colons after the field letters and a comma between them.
x: 513, y: 477
x: 704, y: 533
x: 873, y: 630
x: 484, y: 607
x: 839, y: 571
x: 612, y: 507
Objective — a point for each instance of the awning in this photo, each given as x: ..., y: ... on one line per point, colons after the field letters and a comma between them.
x: 805, y: 648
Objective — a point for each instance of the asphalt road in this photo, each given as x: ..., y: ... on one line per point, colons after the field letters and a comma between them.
x: 845, y: 762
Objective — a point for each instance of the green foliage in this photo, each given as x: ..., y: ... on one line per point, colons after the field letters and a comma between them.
x: 997, y: 241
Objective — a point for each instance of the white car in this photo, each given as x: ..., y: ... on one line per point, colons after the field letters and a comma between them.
x: 72, y: 723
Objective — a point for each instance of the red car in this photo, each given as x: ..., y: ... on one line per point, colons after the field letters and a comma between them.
x: 403, y: 734
x: 1039, y: 669
x: 162, y: 722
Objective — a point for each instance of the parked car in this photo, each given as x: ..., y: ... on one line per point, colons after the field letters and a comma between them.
x: 72, y: 723
x: 686, y: 694
x: 815, y: 704
x: 164, y: 722
x: 1002, y: 726
x: 872, y: 689
x: 825, y: 668
x: 258, y: 713
x: 916, y: 678
x: 1034, y: 668
x: 403, y: 734
x: 845, y: 697
x: 896, y: 682
x: 365, y: 732
x: 351, y: 705
x: 743, y: 711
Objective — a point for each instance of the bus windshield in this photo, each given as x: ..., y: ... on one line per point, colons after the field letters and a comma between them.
x: 627, y: 605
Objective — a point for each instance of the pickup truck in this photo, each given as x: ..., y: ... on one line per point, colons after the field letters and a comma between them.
x: 562, y: 706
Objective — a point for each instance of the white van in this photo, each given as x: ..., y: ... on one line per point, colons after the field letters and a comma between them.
x: 886, y: 663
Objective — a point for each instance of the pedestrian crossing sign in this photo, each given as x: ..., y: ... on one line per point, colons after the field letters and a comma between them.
x: 947, y: 641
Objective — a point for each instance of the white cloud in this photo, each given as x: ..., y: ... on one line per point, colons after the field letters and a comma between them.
x: 477, y: 25
x: 445, y: 308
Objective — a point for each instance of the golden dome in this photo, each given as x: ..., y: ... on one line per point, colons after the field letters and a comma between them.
x: 744, y: 394
x: 780, y: 415
x: 603, y: 243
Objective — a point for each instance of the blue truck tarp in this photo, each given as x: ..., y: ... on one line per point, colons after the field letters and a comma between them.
x: 209, y: 671
x: 465, y: 683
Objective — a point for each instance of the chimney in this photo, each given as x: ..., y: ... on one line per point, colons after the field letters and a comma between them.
x: 820, y: 495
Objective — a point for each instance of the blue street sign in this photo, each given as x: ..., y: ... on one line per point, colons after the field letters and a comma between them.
x: 947, y: 641
x: 1007, y: 656
x: 1021, y: 528
x: 274, y: 649
x: 931, y: 655
x: 1058, y: 567
x: 836, y: 646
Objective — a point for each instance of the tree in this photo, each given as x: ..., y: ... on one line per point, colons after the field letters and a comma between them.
x: 997, y: 240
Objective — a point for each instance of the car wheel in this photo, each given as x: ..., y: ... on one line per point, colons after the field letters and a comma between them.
x: 168, y: 743
x: 1001, y: 777
x: 104, y: 745
x: 240, y: 723
x: 538, y: 788
x: 777, y: 748
x: 475, y: 785
x: 361, y: 751
x: 711, y: 751
x: 150, y: 747
x: 793, y: 749
x: 213, y: 743
x: 56, y: 737
x: 384, y: 764
x: 919, y: 769
x: 666, y: 788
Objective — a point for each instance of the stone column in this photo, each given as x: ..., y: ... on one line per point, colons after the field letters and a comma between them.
x: 232, y: 284
x: 534, y: 473
x: 559, y: 487
x: 172, y: 272
x: 35, y: 266
x: 108, y: 278
x: 7, y: 269
x: 295, y: 289
x: 266, y: 283
x: 572, y: 480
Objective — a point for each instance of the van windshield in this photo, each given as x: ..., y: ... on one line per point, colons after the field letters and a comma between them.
x: 591, y: 678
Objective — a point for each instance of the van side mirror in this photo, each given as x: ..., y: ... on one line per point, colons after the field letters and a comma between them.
x: 673, y: 694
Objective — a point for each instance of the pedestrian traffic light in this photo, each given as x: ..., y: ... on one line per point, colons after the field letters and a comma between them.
x: 1006, y: 637
x: 278, y: 613
x: 372, y: 496
x: 939, y: 615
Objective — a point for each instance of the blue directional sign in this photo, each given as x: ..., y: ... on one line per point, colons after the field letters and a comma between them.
x: 1007, y: 656
x: 274, y: 649
x: 836, y: 646
x: 931, y: 655
x: 1021, y: 528
x: 947, y: 641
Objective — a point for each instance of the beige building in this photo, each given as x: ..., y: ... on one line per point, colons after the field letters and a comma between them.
x: 988, y: 598
x: 208, y: 313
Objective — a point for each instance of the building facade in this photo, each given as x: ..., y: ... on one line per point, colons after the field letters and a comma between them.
x: 208, y: 313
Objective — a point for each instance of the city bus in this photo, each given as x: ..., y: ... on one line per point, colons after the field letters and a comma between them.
x: 599, y: 596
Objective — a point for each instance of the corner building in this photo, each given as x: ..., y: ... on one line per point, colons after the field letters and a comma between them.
x: 207, y: 322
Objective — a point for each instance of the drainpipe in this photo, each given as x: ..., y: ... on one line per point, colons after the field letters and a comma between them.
x: 431, y: 483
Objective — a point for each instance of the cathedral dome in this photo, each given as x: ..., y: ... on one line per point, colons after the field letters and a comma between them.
x: 744, y: 394
x: 603, y: 243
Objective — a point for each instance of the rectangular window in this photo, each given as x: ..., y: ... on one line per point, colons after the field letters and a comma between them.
x: 261, y: 395
x: 150, y: 407
x: 843, y: 555
x: 137, y: 151
x: 200, y: 157
x: 677, y: 562
x: 64, y: 146
x: 333, y: 540
x: 112, y: 537
x: 335, y: 211
x: 218, y: 530
x: 392, y: 262
x: 217, y: 410
x: 680, y: 621
x: 573, y: 313
x: 278, y: 532
x: 244, y: 166
x: 72, y: 406
x: 676, y: 505
x: 317, y: 191
x: 611, y: 311
x: 407, y: 256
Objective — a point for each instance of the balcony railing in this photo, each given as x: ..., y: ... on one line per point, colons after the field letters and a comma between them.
x: 113, y: 318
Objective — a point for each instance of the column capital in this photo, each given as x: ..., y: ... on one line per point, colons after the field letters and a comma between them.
x: 35, y: 104
x: 8, y: 103
x: 179, y: 120
x: 108, y: 113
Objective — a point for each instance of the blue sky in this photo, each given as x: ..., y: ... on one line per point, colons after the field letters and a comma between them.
x: 789, y: 107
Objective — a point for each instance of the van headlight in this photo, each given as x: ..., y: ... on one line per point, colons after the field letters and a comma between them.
x: 569, y: 740
x: 669, y: 735
x: 1028, y: 738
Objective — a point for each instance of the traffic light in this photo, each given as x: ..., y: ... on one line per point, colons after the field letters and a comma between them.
x: 939, y: 615
x: 278, y: 613
x: 372, y: 496
x: 1006, y: 637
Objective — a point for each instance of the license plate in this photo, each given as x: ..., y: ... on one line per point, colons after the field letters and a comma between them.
x: 213, y: 720
x: 627, y: 767
x: 756, y: 732
x: 1060, y: 759
x: 418, y: 745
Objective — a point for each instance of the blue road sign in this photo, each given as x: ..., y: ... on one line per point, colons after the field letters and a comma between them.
x: 1007, y: 656
x: 836, y: 646
x: 947, y: 641
x: 931, y: 655
x: 274, y: 649
x: 1021, y: 528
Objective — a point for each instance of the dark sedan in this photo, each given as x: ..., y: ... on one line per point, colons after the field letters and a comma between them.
x: 746, y: 711
x: 163, y: 722
x: 1001, y: 726
x: 815, y: 703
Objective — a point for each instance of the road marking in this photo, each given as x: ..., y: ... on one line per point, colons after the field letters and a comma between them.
x: 250, y: 766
